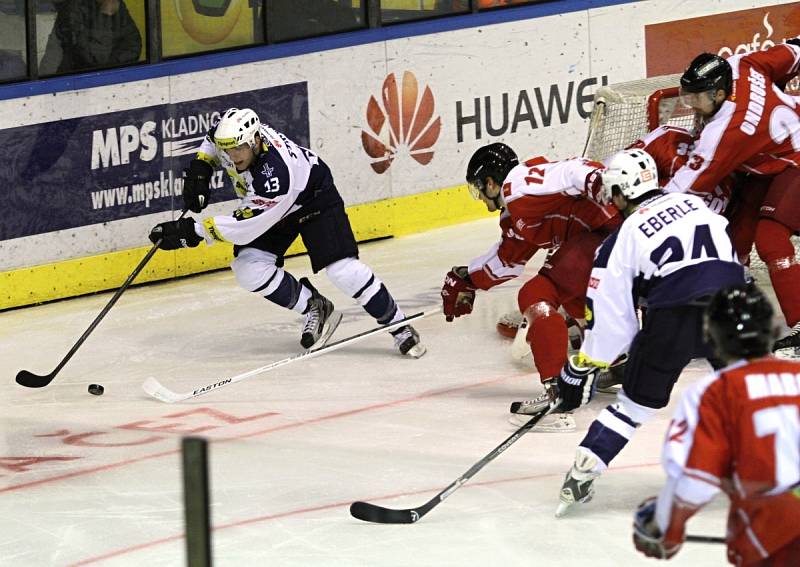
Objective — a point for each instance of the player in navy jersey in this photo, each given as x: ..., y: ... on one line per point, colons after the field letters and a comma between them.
x: 671, y: 252
x: 285, y: 190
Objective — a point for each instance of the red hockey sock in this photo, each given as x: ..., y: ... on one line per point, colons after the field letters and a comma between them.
x: 547, y: 334
x: 777, y: 251
x: 547, y: 331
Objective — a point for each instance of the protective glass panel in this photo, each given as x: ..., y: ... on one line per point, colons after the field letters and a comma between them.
x: 196, y: 26
x: 13, y: 56
x: 295, y: 19
x: 82, y: 35
x: 406, y: 10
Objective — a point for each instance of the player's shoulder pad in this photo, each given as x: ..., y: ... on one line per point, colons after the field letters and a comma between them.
x: 270, y: 175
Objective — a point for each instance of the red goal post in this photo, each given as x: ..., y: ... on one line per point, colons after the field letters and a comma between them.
x: 624, y: 112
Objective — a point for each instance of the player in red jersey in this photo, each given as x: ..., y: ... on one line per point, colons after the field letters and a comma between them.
x: 752, y: 126
x: 545, y: 205
x: 738, y: 432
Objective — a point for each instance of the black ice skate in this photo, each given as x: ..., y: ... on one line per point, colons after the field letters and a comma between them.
x: 578, y: 485
x: 788, y: 346
x: 406, y: 339
x: 556, y: 422
x: 318, y: 315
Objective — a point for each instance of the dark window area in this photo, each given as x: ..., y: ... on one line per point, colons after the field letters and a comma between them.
x: 49, y: 38
x: 408, y: 10
x: 296, y: 19
x: 74, y: 36
x: 13, y: 40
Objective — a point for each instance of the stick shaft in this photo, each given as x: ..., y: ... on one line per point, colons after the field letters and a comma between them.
x: 492, y: 455
x: 704, y: 539
x: 378, y: 514
x: 153, y: 388
x: 111, y: 303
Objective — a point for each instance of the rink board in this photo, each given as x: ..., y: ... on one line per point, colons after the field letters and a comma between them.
x: 393, y: 118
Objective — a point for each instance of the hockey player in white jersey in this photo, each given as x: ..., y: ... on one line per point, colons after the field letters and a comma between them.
x: 672, y: 253
x: 285, y: 190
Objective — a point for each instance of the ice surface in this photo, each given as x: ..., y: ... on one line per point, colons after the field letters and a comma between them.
x: 88, y: 480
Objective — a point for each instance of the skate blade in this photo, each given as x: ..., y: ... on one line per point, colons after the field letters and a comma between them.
x: 417, y: 351
x: 553, y: 423
x: 330, y: 327
x: 788, y: 353
x: 562, y: 509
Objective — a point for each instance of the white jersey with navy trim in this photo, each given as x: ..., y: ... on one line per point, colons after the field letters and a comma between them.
x: 269, y: 190
x: 671, y: 251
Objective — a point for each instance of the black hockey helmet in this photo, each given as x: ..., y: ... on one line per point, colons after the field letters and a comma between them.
x: 495, y: 161
x: 738, y: 322
x: 707, y: 72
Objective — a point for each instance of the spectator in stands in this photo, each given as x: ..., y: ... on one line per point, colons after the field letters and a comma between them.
x: 93, y: 34
x: 12, y: 65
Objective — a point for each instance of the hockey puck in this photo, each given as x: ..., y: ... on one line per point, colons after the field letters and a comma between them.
x: 96, y: 389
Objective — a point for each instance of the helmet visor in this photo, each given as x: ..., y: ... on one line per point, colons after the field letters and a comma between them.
x: 476, y: 188
x: 696, y: 100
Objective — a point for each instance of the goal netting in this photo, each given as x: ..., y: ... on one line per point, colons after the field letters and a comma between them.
x: 624, y: 112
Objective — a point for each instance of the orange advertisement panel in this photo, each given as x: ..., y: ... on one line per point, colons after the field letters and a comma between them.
x: 191, y: 26
x: 670, y: 46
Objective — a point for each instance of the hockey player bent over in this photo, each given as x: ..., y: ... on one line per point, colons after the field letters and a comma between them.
x: 285, y: 190
x: 752, y: 126
x: 736, y: 431
x: 673, y: 252
x: 544, y: 204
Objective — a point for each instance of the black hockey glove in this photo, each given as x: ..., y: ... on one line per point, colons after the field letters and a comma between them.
x: 576, y: 384
x: 196, y: 185
x: 794, y: 41
x: 175, y: 234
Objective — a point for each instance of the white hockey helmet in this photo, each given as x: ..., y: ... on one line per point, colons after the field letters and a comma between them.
x: 236, y: 127
x: 633, y: 172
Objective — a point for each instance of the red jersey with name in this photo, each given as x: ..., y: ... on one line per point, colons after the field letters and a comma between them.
x: 738, y: 431
x: 545, y: 204
x: 757, y: 129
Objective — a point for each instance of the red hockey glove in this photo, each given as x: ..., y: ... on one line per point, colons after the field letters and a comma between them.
x: 576, y: 384
x: 594, y: 188
x: 647, y: 538
x: 458, y: 293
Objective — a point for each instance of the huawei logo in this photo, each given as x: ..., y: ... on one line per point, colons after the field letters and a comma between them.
x: 412, y: 128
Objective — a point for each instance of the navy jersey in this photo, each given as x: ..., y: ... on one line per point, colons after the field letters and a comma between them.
x: 671, y: 251
x: 283, y: 177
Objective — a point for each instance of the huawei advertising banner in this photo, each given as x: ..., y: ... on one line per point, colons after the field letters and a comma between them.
x: 724, y: 34
x: 107, y: 167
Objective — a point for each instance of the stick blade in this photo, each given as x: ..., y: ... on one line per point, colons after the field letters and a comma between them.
x: 379, y: 515
x: 31, y: 380
x: 153, y: 388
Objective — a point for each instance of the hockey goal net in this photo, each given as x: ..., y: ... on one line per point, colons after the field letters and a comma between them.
x: 624, y: 112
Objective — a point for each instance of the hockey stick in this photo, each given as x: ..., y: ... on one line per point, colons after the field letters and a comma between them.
x: 520, y: 347
x: 704, y: 539
x: 378, y: 514
x: 154, y: 388
x: 31, y: 380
